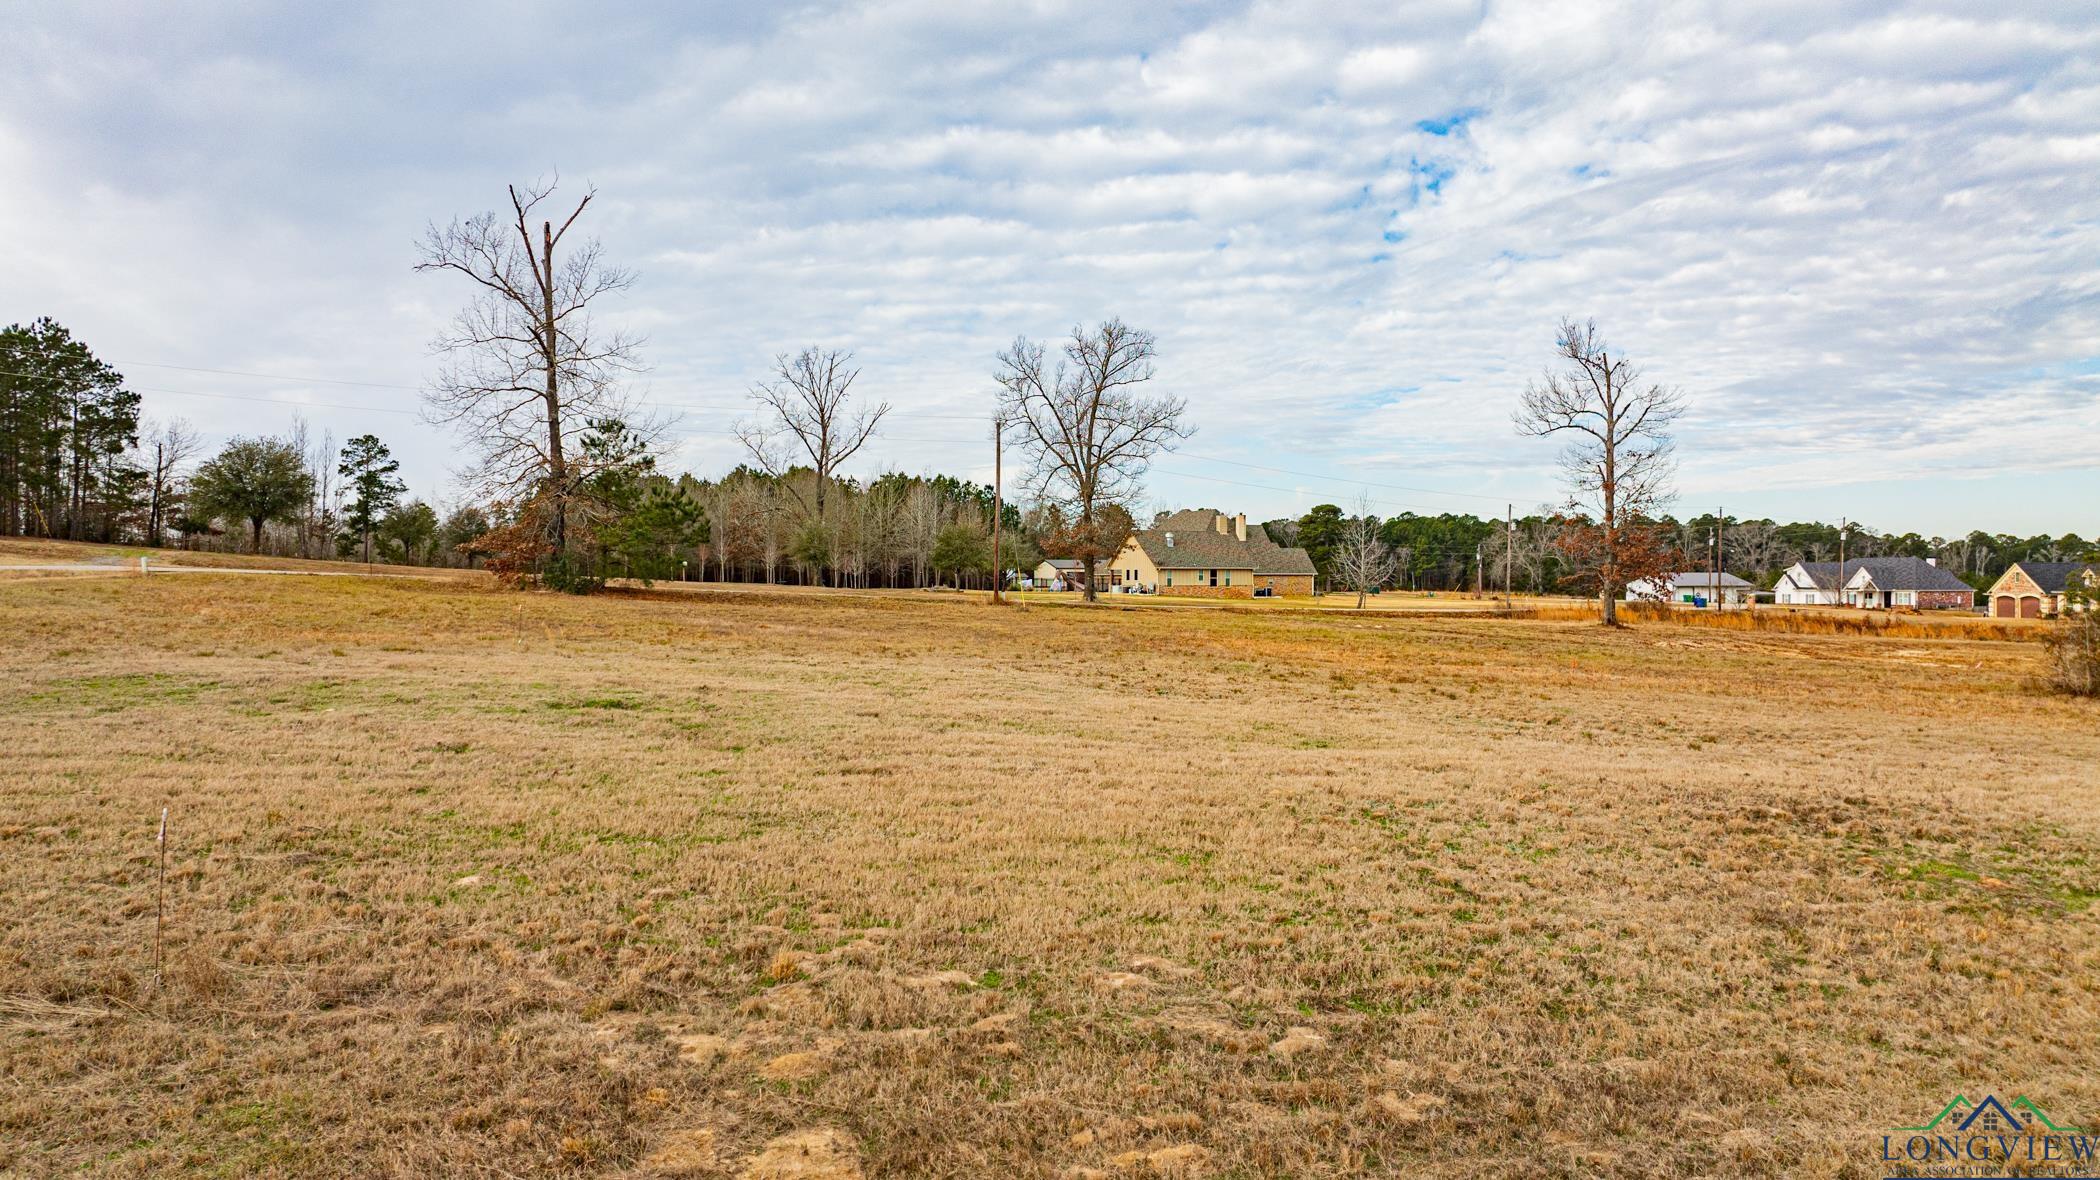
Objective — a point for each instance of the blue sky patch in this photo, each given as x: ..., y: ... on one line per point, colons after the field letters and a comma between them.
x: 1451, y: 124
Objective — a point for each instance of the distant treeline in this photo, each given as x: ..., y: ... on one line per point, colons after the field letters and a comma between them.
x: 1456, y: 551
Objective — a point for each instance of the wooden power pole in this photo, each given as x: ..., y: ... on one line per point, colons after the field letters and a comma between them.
x: 998, y: 509
x: 1713, y: 560
x: 1509, y: 558
x: 1844, y: 526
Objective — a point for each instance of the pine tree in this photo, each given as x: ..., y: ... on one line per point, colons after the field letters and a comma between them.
x: 369, y: 467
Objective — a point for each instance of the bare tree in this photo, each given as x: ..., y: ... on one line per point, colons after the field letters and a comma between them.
x: 806, y: 410
x: 921, y: 527
x: 527, y: 372
x: 1618, y: 467
x: 322, y: 517
x: 1754, y: 545
x: 1087, y: 433
x: 806, y: 414
x: 1362, y: 558
x: 173, y: 444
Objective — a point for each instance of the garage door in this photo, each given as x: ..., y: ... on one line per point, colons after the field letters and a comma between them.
x: 2030, y: 608
x: 2004, y: 607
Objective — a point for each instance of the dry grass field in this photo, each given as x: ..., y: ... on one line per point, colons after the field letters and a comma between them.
x: 472, y: 883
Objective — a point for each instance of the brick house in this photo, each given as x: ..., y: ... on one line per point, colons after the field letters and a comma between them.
x: 2037, y: 589
x: 1203, y: 553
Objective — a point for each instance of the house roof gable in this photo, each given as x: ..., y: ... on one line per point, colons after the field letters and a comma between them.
x: 1901, y: 573
x: 2051, y: 576
x: 1199, y: 545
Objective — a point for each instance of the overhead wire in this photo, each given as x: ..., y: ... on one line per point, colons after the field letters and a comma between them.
x: 1325, y: 478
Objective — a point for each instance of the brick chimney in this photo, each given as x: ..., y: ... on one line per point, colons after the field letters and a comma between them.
x: 1239, y: 526
x: 1222, y: 523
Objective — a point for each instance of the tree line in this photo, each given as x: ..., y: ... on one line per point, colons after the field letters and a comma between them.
x: 1460, y: 551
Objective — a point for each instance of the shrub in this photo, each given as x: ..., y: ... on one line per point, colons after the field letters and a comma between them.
x: 2074, y: 655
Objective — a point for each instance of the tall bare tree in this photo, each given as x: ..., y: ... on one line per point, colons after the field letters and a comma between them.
x: 172, y: 444
x: 806, y: 414
x: 1617, y: 466
x: 321, y: 515
x: 1362, y: 559
x: 1086, y: 431
x: 527, y: 371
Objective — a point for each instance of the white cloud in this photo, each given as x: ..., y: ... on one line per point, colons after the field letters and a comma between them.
x: 1861, y: 241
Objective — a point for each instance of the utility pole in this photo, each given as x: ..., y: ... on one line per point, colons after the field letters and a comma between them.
x: 1509, y: 558
x: 153, y: 529
x: 1713, y: 561
x: 998, y: 508
x: 1844, y: 526
x: 1479, y: 572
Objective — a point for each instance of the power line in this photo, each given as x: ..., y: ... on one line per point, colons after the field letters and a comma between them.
x: 956, y: 442
x: 701, y: 408
x: 268, y: 376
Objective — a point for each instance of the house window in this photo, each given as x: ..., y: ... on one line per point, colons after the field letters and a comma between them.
x: 1989, y: 1122
x: 1213, y: 577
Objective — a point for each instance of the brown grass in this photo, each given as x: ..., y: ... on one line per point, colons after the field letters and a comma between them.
x: 474, y: 883
x: 1803, y: 621
x: 124, y: 559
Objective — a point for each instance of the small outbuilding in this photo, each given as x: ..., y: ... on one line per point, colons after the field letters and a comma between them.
x: 1059, y: 573
x: 2040, y: 589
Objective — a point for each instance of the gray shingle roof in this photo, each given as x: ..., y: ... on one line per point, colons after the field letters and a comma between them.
x: 1825, y: 573
x: 2052, y: 576
x: 1199, y: 545
x: 1064, y: 563
x: 1904, y: 573
x: 1889, y: 573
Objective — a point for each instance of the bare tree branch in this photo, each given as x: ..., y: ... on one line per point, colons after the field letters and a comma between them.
x: 1086, y: 432
x: 526, y: 373
x: 1362, y: 559
x: 1619, y: 466
x: 805, y: 409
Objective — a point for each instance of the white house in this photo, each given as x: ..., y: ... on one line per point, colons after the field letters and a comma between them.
x: 1691, y: 586
x: 1916, y: 583
x: 1809, y: 583
x: 1881, y: 582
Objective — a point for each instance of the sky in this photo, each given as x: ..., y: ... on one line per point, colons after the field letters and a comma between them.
x: 1862, y: 239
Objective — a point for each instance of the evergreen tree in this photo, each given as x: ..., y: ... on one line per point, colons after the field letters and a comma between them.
x: 257, y: 480
x: 369, y: 468
x: 412, y: 526
x: 66, y: 425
